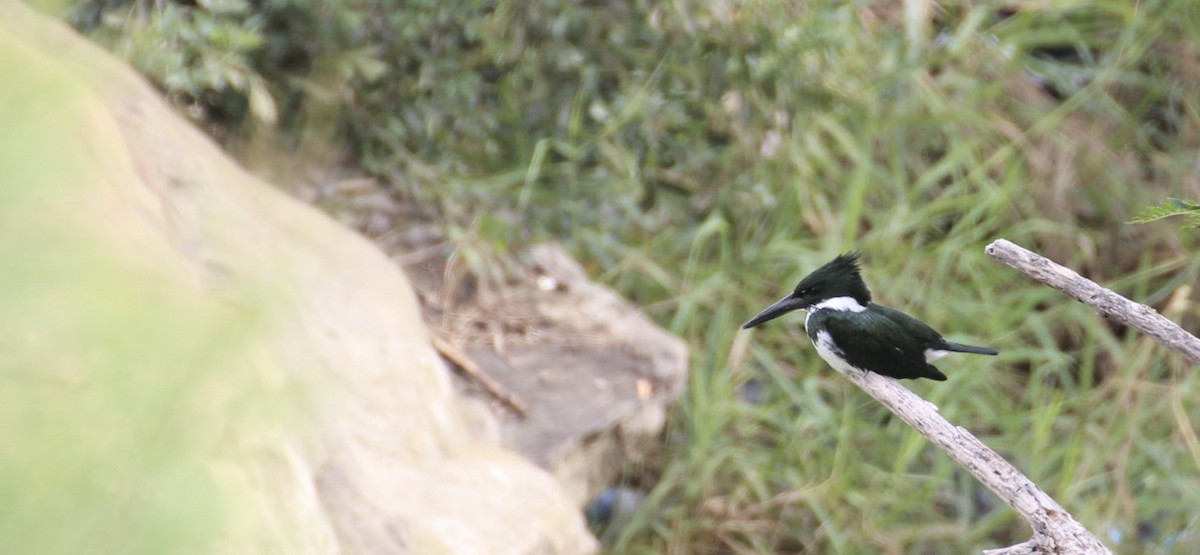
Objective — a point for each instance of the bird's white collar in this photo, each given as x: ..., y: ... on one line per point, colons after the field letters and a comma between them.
x: 839, y: 303
x: 836, y: 303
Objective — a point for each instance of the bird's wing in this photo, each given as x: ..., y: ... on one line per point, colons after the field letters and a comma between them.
x: 927, y: 335
x: 879, y: 341
x: 909, y: 325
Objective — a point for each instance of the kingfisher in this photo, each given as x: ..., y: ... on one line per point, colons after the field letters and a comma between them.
x: 851, y: 332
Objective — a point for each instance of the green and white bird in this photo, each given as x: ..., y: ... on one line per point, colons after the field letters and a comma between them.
x: 851, y: 332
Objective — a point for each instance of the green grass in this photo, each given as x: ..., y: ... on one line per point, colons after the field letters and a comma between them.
x: 918, y: 158
x: 700, y: 157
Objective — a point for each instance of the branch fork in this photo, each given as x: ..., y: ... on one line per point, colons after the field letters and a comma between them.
x: 1055, y: 531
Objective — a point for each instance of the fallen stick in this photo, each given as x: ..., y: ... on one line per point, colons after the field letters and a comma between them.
x: 460, y: 359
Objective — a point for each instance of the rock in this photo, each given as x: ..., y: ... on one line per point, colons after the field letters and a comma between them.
x: 594, y: 376
x: 603, y: 391
x: 331, y: 426
x: 611, y: 511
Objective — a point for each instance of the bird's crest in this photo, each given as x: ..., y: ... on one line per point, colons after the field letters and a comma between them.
x: 840, y: 276
x: 846, y: 262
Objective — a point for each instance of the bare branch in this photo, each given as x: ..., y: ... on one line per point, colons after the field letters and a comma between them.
x: 1106, y: 302
x: 1054, y: 530
x: 1026, y: 548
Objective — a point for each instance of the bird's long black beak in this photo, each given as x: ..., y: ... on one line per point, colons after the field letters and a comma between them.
x: 781, y: 307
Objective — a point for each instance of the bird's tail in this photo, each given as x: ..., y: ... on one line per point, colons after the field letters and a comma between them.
x: 960, y: 348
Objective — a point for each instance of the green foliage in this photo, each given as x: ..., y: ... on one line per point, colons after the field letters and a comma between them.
x: 234, y: 61
x: 1171, y: 207
x: 196, y: 54
x: 700, y: 156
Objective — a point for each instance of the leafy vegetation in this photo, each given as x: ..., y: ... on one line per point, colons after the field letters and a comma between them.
x: 1171, y: 207
x: 701, y: 156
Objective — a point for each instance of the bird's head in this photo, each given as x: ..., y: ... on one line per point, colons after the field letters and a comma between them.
x: 839, y: 278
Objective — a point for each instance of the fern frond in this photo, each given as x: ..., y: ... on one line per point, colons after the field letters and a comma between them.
x: 1171, y: 207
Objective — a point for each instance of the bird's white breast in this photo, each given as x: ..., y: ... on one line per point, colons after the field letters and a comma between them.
x: 824, y: 342
x: 831, y: 352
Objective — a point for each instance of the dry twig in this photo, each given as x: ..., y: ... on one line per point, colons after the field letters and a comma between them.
x: 455, y: 355
x: 1106, y: 302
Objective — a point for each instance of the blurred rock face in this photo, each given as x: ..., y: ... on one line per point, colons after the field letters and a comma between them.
x: 363, y: 446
